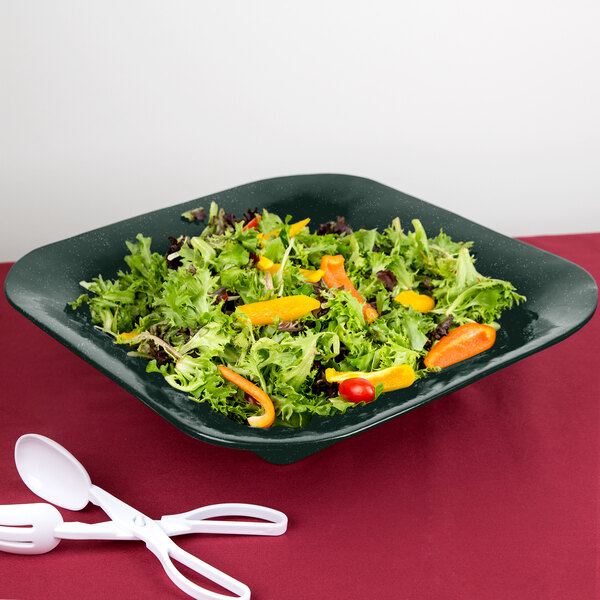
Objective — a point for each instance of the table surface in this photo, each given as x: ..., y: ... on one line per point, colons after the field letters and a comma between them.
x: 490, y: 492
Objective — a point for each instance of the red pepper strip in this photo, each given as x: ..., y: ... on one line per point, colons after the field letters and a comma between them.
x: 334, y: 275
x: 252, y: 224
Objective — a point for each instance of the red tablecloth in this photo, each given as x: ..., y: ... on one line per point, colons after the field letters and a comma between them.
x: 490, y: 493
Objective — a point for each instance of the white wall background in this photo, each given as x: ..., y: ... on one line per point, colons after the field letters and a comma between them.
x: 112, y: 108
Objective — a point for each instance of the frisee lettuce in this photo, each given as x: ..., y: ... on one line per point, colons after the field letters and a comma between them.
x: 178, y: 310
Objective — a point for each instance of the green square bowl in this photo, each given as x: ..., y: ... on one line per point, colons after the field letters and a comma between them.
x: 561, y: 298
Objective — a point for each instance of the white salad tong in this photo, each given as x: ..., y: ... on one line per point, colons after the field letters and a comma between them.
x: 58, y: 477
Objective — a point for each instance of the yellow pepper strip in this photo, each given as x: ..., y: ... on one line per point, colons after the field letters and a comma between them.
x: 298, y: 227
x: 420, y: 302
x: 266, y: 264
x: 287, y: 308
x: 268, y: 416
x: 129, y: 335
x: 311, y: 275
x: 294, y: 229
x: 393, y: 378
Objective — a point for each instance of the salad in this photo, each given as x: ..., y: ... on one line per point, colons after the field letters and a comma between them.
x: 271, y: 324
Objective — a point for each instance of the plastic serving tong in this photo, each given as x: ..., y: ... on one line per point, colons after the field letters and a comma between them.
x: 58, y: 477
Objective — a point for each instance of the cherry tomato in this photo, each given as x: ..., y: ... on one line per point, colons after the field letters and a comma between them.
x: 357, y: 390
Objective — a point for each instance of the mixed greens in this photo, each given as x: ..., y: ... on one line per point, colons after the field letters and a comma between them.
x: 183, y: 311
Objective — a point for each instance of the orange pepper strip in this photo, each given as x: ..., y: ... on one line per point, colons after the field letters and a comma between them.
x: 267, y: 418
x: 463, y: 342
x: 334, y: 275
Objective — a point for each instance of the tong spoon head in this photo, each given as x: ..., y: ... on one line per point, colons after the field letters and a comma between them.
x: 51, y: 472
